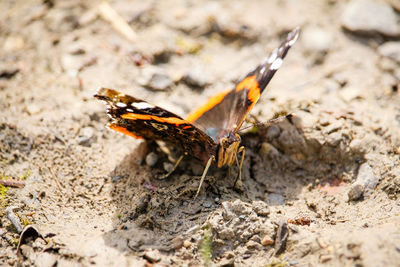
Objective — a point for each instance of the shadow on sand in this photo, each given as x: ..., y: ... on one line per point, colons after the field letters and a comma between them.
x: 281, y: 160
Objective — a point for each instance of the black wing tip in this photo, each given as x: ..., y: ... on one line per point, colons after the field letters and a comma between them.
x: 293, y: 36
x: 100, y: 93
x: 104, y: 93
x: 266, y: 70
x: 282, y: 50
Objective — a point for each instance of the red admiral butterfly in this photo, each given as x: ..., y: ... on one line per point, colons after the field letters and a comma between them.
x: 210, y: 133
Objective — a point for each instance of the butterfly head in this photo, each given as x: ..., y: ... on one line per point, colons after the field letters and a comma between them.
x: 227, y: 149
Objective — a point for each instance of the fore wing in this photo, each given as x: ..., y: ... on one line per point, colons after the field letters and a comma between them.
x: 139, y: 119
x: 227, y: 111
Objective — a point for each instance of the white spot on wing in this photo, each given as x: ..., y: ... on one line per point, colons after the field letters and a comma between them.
x: 129, y: 110
x: 262, y: 70
x: 291, y: 42
x: 142, y: 105
x: 273, y: 56
x: 277, y: 64
x: 121, y: 105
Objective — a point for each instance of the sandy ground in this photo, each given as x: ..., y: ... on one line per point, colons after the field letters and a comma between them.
x: 321, y: 189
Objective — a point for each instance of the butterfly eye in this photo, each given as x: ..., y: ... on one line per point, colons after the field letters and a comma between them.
x: 224, y: 142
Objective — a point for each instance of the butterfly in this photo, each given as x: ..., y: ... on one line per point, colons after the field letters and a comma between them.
x: 210, y: 133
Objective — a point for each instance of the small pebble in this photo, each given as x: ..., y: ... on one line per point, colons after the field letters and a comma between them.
x: 334, y: 138
x: 13, y: 43
x: 268, y: 151
x: 226, y: 234
x: 358, y: 146
x: 325, y: 258
x: 177, y: 242
x: 241, y: 208
x: 46, y: 259
x: 196, y: 78
x: 152, y: 255
x: 365, y: 183
x: 273, y: 131
x: 160, y: 82
x: 266, y: 241
x: 227, y: 210
x: 87, y: 136
x: 71, y: 64
x: 369, y: 17
x: 151, y: 159
x: 225, y: 262
x: 187, y: 243
x: 261, y: 208
x: 32, y: 109
x: 252, y: 244
x: 334, y: 126
x: 168, y: 166
x: 349, y: 94
x: 317, y: 39
x: 207, y: 204
x: 390, y: 50
x: 367, y: 177
x: 324, y: 121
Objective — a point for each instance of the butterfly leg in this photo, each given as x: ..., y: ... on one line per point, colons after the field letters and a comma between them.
x: 238, y: 181
x: 229, y: 171
x: 173, y: 169
x: 204, y: 175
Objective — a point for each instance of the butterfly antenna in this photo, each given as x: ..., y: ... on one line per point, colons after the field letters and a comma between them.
x: 269, y: 122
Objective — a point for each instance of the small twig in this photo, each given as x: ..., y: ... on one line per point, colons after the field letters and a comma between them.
x: 88, y: 63
x: 321, y: 243
x: 281, y: 237
x: 14, y: 219
x: 107, y: 13
x: 56, y: 179
x: 13, y: 183
x: 100, y: 188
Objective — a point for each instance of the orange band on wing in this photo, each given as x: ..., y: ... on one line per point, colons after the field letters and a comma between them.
x: 212, y: 102
x: 170, y: 120
x: 122, y: 130
x: 251, y: 84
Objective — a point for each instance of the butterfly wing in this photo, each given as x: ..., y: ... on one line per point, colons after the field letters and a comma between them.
x: 227, y: 111
x: 140, y: 119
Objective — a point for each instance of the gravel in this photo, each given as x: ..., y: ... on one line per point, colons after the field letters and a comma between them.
x: 370, y: 17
